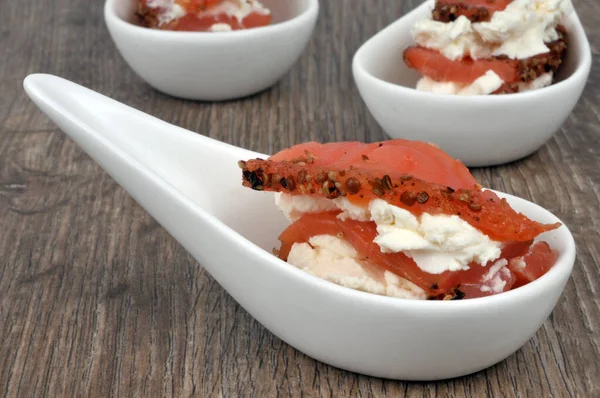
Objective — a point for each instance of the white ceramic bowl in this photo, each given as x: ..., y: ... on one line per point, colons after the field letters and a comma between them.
x: 479, y: 130
x: 213, y: 66
x: 160, y: 166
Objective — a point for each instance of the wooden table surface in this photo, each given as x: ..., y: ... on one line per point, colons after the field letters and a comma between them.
x: 96, y: 299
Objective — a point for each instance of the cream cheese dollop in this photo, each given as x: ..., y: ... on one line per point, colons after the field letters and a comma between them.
x: 170, y: 10
x: 335, y: 260
x: 519, y: 31
x: 486, y: 84
x: 437, y: 243
x: 239, y: 9
x: 483, y: 85
x: 220, y: 27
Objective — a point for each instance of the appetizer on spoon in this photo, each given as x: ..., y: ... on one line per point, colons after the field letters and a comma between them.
x: 191, y: 185
x: 399, y: 218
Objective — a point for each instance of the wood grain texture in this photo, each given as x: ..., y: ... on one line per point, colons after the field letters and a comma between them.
x: 96, y: 299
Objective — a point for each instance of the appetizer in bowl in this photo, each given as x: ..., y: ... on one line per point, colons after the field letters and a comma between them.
x: 478, y: 47
x: 398, y: 218
x: 175, y: 48
x: 203, y: 15
x: 480, y: 130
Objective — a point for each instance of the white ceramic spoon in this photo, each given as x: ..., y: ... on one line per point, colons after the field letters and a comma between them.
x: 192, y: 185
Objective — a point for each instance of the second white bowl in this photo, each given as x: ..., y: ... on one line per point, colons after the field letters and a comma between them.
x: 213, y: 66
x: 478, y: 130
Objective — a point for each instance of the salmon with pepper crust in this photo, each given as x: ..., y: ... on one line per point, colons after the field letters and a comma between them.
x: 412, y: 176
x: 394, y: 171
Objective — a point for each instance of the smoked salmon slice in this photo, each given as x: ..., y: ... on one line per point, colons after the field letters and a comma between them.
x: 532, y: 264
x: 361, y: 235
x: 436, y: 66
x: 361, y: 173
x: 419, y: 159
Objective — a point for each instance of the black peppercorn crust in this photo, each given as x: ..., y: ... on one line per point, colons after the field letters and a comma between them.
x: 444, y: 12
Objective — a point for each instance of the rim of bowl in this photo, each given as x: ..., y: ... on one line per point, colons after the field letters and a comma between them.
x: 304, y: 17
x: 580, y: 73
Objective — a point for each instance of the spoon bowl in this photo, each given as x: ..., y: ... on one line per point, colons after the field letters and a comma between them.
x: 192, y: 186
x: 213, y: 66
x: 479, y: 130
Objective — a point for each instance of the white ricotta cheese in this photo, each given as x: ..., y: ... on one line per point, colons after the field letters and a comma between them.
x: 453, y: 39
x: 350, y: 211
x: 518, y: 263
x: 169, y: 10
x: 524, y: 26
x: 492, y: 280
x: 484, y: 85
x: 220, y: 27
x: 519, y: 31
x: 239, y: 9
x: 159, y: 3
x: 294, y: 206
x: 437, y: 243
x: 335, y: 260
